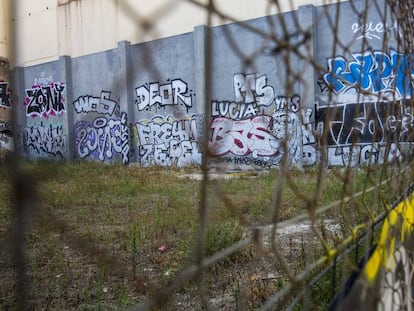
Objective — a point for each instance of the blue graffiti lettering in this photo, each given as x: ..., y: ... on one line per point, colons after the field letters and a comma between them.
x: 103, y: 139
x: 372, y: 72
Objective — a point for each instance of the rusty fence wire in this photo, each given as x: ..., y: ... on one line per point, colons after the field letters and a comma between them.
x: 352, y: 252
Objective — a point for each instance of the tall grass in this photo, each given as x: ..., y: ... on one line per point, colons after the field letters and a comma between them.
x: 92, y: 215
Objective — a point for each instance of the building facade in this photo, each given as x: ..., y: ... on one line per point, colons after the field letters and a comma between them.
x: 47, y: 29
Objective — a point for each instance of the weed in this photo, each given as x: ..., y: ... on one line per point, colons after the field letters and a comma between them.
x: 259, y: 291
x: 122, y: 300
x: 100, y: 291
x: 221, y: 235
x: 137, y: 234
x: 130, y: 212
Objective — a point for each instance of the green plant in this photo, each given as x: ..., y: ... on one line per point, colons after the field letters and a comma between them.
x: 137, y: 235
x: 221, y: 235
x: 122, y: 300
x: 130, y: 212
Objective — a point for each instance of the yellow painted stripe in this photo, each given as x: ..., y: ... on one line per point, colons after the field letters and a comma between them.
x: 400, y: 220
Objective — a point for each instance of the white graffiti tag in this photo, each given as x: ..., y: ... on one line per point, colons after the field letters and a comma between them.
x: 167, y: 142
x: 103, y: 139
x: 169, y: 94
x: 103, y: 104
x: 45, y: 140
x: 251, y: 94
x: 372, y: 30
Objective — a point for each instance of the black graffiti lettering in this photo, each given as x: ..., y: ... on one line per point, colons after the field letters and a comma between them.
x: 369, y: 123
x: 45, y: 101
x: 146, y: 154
x: 6, y: 126
x: 6, y: 141
x: 43, y: 141
x: 124, y: 138
x: 5, y: 99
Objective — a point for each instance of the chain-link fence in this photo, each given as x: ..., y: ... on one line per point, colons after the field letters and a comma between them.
x: 295, y: 190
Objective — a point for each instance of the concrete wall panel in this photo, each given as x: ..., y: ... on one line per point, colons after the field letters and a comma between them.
x: 365, y: 90
x: 99, y: 125
x: 44, y: 133
x: 253, y: 89
x: 166, y: 118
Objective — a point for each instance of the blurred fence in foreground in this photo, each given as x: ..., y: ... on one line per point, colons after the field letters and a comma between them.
x: 352, y: 64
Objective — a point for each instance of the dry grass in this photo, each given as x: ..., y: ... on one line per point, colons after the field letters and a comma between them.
x: 108, y: 236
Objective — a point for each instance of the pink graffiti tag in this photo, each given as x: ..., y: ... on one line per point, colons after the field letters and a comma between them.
x: 243, y: 137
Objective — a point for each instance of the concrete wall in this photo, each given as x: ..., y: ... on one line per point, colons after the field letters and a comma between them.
x: 6, y: 127
x: 6, y: 124
x: 148, y: 103
x: 363, y: 98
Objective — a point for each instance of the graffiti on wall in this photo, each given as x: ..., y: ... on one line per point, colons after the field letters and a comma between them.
x: 6, y: 141
x: 165, y: 141
x: 248, y: 161
x: 104, y: 138
x: 5, y: 98
x: 384, y: 279
x: 243, y: 137
x: 260, y: 125
x: 173, y: 93
x: 371, y: 30
x: 262, y: 136
x: 45, y: 98
x: 369, y: 122
x: 6, y: 126
x: 368, y: 154
x: 103, y: 104
x: 287, y: 126
x: 251, y: 92
x: 367, y: 133
x: 376, y: 73
x: 363, y: 129
x: 309, y: 154
x: 43, y: 141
